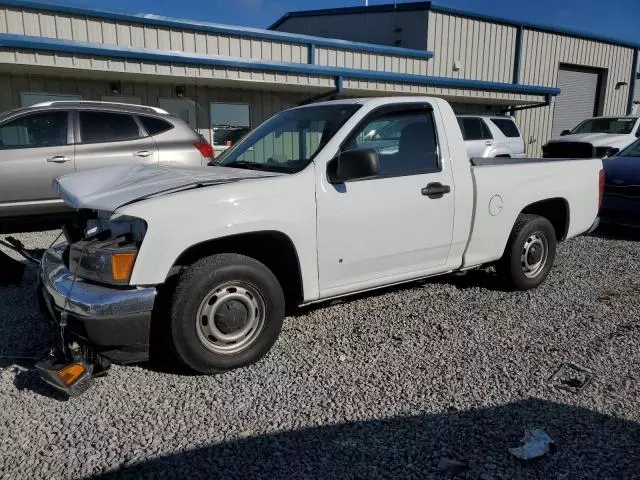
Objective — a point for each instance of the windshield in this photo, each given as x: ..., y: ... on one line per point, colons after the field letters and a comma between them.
x: 632, y: 150
x: 288, y: 142
x: 621, y: 126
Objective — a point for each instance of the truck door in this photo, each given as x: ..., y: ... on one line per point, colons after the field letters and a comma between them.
x: 397, y: 225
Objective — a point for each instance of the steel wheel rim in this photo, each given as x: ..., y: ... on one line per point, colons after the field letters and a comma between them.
x: 534, y: 255
x: 233, y: 306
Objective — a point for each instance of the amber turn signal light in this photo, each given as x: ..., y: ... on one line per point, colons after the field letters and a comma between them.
x: 122, y: 265
x: 71, y: 373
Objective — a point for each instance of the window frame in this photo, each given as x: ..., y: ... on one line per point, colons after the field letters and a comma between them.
x: 486, y: 128
x: 78, y: 131
x: 70, y: 128
x: 385, y: 110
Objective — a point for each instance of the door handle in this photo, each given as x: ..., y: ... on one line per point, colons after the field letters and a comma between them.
x: 143, y: 153
x: 488, y: 142
x: 435, y: 190
x: 58, y: 159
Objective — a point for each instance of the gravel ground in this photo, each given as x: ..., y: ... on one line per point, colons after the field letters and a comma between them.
x: 393, y: 384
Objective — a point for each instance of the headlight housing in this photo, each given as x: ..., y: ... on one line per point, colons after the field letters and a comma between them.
x: 105, y: 261
x: 105, y: 248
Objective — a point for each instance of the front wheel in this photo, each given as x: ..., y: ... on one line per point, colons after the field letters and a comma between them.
x: 530, y: 252
x: 227, y: 312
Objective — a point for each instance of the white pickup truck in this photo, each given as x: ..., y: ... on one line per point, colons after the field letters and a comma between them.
x: 307, y: 207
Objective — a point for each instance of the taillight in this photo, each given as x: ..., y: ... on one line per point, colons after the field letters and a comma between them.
x: 600, y: 187
x: 206, y: 150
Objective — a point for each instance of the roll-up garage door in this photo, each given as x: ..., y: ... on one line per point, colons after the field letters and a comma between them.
x: 578, y: 97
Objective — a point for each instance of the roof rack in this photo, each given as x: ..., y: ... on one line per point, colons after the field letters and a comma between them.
x: 90, y: 103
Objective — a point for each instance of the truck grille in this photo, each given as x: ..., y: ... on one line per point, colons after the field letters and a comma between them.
x: 568, y: 150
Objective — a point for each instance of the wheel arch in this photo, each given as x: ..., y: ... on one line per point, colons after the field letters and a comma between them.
x: 556, y: 210
x: 273, y: 248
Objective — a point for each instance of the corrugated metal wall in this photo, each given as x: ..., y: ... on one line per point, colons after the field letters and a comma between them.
x: 542, y: 54
x: 485, y: 50
x: 400, y: 29
x: 152, y: 37
x: 263, y: 104
x: 95, y: 30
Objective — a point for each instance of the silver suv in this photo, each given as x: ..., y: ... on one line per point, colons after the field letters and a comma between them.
x: 47, y: 140
x: 491, y: 136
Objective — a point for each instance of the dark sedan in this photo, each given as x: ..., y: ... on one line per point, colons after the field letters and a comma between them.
x: 621, y: 200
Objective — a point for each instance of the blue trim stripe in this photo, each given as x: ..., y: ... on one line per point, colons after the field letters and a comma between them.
x: 632, y: 83
x: 157, y: 20
x: 120, y: 52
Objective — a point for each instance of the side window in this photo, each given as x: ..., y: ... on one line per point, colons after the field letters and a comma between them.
x: 471, y: 128
x: 155, y: 126
x: 99, y: 127
x: 486, y: 133
x: 507, y: 127
x: 46, y: 129
x: 405, y: 141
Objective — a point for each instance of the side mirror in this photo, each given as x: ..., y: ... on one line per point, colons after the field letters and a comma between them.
x: 353, y: 165
x: 611, y: 151
x: 565, y: 132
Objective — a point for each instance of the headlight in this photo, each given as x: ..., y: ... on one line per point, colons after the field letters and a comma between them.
x: 108, y: 249
x: 106, y: 261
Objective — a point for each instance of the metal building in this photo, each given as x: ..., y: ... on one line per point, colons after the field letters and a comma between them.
x: 219, y: 76
x: 595, y: 75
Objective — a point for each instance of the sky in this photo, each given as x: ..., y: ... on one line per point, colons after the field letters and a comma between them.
x: 618, y: 19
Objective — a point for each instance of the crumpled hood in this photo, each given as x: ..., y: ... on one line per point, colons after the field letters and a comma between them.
x: 597, y: 139
x: 111, y: 187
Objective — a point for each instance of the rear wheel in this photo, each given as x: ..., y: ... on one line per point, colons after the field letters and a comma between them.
x: 530, y: 252
x: 227, y: 312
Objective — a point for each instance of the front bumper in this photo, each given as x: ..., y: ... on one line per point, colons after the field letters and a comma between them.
x: 114, y: 321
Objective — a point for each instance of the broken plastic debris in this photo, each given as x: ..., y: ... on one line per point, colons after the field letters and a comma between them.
x: 535, y: 443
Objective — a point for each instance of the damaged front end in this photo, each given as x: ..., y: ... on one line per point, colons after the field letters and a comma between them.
x: 84, y: 288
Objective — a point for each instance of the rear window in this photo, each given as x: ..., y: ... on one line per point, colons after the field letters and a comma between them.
x: 154, y: 126
x: 99, y: 127
x: 474, y: 129
x: 507, y: 127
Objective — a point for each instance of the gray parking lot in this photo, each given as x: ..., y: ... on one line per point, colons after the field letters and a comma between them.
x: 384, y: 385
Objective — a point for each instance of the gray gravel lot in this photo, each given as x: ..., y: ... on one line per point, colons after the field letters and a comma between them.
x: 375, y: 387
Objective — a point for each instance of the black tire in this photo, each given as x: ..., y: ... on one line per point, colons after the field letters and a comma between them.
x: 202, y: 281
x: 512, y: 268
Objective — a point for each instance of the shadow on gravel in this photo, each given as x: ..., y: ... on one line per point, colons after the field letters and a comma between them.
x: 617, y: 232
x: 588, y: 445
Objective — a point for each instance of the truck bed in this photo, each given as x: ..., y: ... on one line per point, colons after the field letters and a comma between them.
x: 504, y: 187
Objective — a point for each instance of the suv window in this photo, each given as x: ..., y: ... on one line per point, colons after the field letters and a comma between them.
x: 44, y: 129
x: 507, y: 127
x: 405, y: 141
x: 98, y: 127
x: 474, y: 129
x: 154, y: 125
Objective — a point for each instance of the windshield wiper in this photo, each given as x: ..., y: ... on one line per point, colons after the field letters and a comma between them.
x: 246, y: 165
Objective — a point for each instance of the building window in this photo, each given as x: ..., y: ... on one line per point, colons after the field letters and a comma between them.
x: 30, y: 98
x: 229, y: 123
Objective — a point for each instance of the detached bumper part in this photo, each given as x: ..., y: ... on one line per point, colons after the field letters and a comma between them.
x: 114, y: 321
x: 72, y: 378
